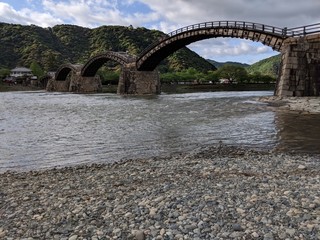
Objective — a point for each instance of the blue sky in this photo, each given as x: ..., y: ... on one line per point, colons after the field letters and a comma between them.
x: 168, y: 15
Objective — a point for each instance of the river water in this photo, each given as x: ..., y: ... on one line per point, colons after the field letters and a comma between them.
x: 44, y: 129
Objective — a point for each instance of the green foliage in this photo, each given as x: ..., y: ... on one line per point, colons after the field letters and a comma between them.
x: 185, y: 58
x: 233, y: 73
x: 220, y: 64
x: 36, y: 69
x: 4, y: 72
x: 269, y: 66
x: 51, y: 47
x: 212, y: 76
x: 259, y: 71
x: 108, y: 76
x: 187, y: 75
x: 260, y: 78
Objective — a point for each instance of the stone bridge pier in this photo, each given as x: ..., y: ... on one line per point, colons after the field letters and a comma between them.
x: 83, y: 78
x: 300, y: 67
x: 132, y: 81
x: 80, y: 84
x: 76, y: 83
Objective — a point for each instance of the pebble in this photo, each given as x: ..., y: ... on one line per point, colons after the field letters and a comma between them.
x: 217, y: 192
x: 139, y: 235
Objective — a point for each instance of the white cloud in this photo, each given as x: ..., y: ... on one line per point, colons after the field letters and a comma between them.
x: 272, y: 12
x: 95, y: 13
x: 168, y: 15
x: 26, y: 16
x: 223, y: 47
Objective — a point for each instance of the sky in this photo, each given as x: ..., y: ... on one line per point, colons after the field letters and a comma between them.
x: 169, y: 15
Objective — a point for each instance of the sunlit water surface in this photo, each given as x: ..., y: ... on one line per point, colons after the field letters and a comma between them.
x: 43, y: 130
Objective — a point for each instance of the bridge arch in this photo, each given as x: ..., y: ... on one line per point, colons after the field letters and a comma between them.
x: 156, y: 52
x: 93, y: 64
x: 64, y: 70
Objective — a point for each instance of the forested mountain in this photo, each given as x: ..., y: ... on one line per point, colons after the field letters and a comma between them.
x: 269, y: 66
x: 50, y: 47
x: 220, y: 64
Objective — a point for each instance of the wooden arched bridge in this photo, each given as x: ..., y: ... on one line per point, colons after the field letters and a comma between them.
x: 300, y: 49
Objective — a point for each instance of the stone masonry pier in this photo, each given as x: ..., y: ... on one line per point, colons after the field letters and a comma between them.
x: 300, y: 67
x: 132, y: 81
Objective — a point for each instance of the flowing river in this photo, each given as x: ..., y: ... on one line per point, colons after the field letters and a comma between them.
x: 43, y: 130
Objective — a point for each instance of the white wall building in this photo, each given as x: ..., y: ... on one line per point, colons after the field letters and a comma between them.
x: 20, y: 71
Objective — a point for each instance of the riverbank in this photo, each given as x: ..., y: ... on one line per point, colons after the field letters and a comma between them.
x: 214, y: 193
x: 186, y: 88
x: 303, y: 105
x: 17, y: 87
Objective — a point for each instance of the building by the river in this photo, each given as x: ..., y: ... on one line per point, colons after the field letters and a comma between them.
x: 21, y: 72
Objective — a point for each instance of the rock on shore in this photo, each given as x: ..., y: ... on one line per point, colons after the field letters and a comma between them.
x: 214, y: 193
x: 305, y: 105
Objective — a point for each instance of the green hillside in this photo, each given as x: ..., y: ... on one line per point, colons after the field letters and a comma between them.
x: 50, y: 47
x: 220, y: 64
x: 269, y: 66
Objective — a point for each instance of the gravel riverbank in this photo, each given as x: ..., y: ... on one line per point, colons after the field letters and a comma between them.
x: 304, y: 105
x: 214, y: 193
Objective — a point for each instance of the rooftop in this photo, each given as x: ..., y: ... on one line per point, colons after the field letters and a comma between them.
x: 21, y: 69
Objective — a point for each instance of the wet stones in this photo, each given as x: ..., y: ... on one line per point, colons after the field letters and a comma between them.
x: 204, y: 194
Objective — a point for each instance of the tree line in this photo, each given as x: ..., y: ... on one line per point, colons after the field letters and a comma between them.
x: 234, y: 74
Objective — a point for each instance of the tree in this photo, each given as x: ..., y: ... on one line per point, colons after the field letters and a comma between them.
x: 108, y: 76
x: 4, y: 72
x: 50, y: 60
x: 233, y: 73
x: 169, y: 77
x: 212, y: 76
x: 36, y: 69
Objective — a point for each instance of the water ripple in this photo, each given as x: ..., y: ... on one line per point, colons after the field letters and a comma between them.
x: 44, y: 130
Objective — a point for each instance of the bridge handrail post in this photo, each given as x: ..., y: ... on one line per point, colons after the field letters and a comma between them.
x: 284, y: 31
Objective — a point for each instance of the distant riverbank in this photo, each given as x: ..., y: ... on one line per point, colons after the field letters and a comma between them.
x: 189, y: 88
x: 184, y: 88
x: 166, y: 88
x: 17, y: 87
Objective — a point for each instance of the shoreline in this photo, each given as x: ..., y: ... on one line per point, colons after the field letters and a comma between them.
x: 303, y: 105
x: 219, y: 192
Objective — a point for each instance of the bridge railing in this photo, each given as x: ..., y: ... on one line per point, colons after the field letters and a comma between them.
x: 229, y: 24
x: 281, y: 32
x: 304, y: 30
x: 219, y: 24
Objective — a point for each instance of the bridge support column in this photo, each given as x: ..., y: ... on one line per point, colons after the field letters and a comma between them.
x: 75, y: 83
x: 81, y: 84
x: 132, y: 81
x: 58, y: 86
x: 300, y: 67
